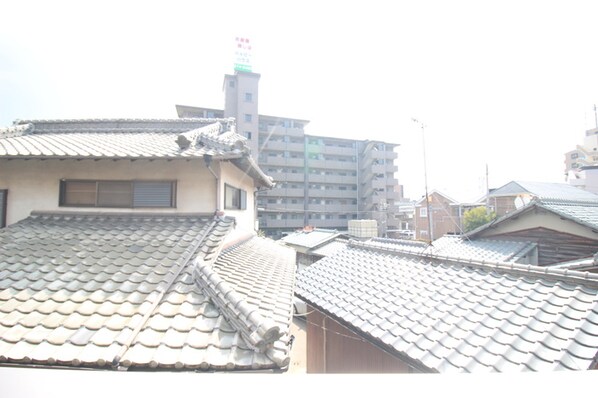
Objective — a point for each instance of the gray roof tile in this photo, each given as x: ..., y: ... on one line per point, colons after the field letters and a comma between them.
x: 459, y: 317
x: 83, y: 312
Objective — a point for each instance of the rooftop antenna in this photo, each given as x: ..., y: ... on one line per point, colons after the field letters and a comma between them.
x: 423, y: 126
x: 595, y: 116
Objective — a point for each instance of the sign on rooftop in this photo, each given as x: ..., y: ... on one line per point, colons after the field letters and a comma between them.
x: 242, y: 54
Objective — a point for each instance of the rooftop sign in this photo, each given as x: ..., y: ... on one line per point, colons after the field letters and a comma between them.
x: 242, y: 54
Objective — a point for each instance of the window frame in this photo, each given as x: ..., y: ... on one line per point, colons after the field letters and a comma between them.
x: 242, y: 198
x: 63, y: 192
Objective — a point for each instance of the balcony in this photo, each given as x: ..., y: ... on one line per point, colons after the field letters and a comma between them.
x: 282, y: 146
x: 378, y: 183
x: 378, y: 168
x: 287, y: 177
x: 280, y: 130
x: 392, y: 182
x: 331, y: 179
x: 332, y: 193
x: 317, y: 178
x: 335, y: 150
x: 282, y: 192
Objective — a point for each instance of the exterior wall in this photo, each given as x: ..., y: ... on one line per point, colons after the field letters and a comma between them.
x: 539, y: 218
x: 553, y: 247
x: 332, y: 348
x: 443, y: 218
x: 502, y: 204
x: 237, y: 105
x: 231, y: 175
x: 33, y: 185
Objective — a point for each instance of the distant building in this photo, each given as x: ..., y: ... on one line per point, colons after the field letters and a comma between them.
x: 583, y: 155
x: 320, y: 181
x: 443, y: 216
x: 581, y: 164
x: 516, y: 194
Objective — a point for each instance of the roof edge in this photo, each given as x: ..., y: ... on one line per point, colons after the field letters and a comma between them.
x: 588, y: 279
x: 259, y: 332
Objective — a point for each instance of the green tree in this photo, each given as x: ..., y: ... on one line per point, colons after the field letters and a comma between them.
x: 476, y: 218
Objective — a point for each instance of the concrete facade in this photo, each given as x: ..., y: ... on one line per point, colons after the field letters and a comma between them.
x: 320, y: 181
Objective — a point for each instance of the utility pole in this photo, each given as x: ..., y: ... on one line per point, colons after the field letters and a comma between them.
x: 426, y: 180
x: 487, y: 193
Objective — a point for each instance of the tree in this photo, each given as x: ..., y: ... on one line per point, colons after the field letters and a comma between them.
x: 476, y: 218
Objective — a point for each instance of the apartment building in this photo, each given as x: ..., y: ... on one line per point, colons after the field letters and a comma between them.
x: 320, y: 181
x: 581, y: 164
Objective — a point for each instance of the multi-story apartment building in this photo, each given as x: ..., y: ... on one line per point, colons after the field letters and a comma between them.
x: 583, y: 155
x: 581, y: 164
x: 320, y: 181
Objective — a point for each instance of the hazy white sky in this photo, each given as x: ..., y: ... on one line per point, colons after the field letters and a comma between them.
x: 511, y: 84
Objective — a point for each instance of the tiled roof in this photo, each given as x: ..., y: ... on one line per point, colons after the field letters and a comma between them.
x: 128, y: 139
x: 403, y: 245
x: 583, y: 264
x: 310, y: 239
x: 448, y: 316
x: 330, y: 248
x: 545, y: 190
x: 583, y: 213
x: 129, y: 291
x: 480, y: 249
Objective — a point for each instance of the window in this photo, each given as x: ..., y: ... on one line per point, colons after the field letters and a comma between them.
x: 248, y: 97
x: 128, y: 194
x: 248, y: 117
x: 234, y: 198
x: 231, y: 84
x: 248, y: 135
x: 423, y: 212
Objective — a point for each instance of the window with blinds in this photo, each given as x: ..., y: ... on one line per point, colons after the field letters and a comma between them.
x: 123, y: 194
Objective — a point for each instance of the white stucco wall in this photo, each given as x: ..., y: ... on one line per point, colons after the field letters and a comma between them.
x: 33, y: 185
x: 231, y: 175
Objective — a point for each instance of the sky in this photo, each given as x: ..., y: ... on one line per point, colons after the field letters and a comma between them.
x: 507, y: 86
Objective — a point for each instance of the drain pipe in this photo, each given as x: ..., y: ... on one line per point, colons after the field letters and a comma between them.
x: 208, y: 160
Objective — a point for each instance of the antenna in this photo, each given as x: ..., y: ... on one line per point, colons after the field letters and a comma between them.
x: 425, y: 179
x: 595, y: 116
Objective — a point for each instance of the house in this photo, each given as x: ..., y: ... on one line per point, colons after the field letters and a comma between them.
x: 307, y: 241
x: 439, y: 215
x: 516, y: 194
x: 168, y: 166
x: 131, y: 245
x: 563, y: 230
x: 375, y: 308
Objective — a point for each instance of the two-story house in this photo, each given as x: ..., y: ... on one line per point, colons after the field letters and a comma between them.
x: 131, y: 244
